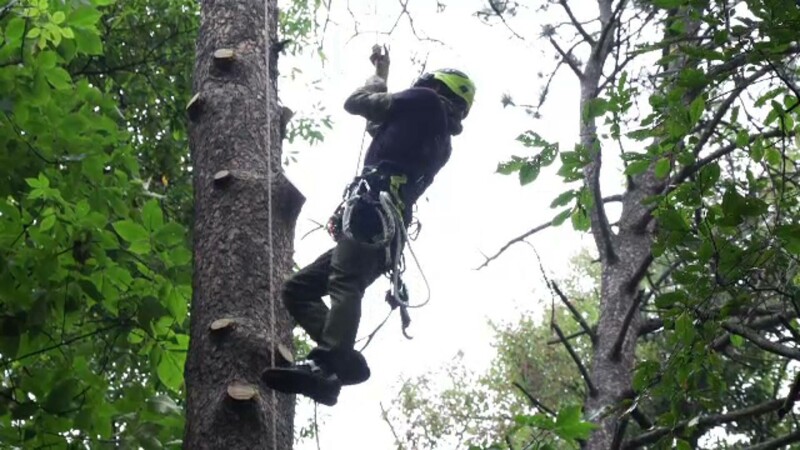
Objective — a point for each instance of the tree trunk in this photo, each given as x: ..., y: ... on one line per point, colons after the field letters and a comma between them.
x: 621, y: 255
x: 234, y: 273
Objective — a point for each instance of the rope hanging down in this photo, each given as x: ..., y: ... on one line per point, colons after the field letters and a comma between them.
x: 267, y: 147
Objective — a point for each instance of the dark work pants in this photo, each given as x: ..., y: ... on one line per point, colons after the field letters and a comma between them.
x: 344, y: 273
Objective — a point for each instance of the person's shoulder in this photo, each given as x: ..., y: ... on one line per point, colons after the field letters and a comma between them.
x: 424, y: 96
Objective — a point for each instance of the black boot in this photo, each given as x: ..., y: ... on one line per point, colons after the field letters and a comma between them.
x: 308, y: 378
x: 348, y: 365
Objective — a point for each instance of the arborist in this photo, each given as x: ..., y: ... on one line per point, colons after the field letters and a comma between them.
x: 411, y: 132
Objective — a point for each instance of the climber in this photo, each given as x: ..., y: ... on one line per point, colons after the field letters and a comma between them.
x: 411, y: 133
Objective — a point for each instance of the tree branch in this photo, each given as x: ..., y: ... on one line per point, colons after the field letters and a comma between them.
x: 584, y: 373
x: 600, y: 46
x: 576, y: 23
x: 762, y: 342
x: 569, y: 59
x: 791, y: 397
x: 572, y: 336
x: 778, y: 442
x: 724, y: 107
x: 533, y: 399
x: 710, y: 420
x: 688, y: 171
x: 626, y: 323
x: 575, y: 313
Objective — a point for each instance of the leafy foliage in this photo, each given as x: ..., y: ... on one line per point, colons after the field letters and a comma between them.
x: 95, y: 269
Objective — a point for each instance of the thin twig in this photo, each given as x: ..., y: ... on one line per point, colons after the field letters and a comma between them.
x: 533, y: 399
x: 575, y: 313
x: 575, y: 22
x: 701, y: 422
x: 584, y: 373
x: 569, y: 59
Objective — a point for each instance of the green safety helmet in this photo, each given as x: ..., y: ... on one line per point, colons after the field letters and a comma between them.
x: 457, y: 82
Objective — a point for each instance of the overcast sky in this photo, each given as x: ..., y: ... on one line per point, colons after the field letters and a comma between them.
x: 468, y: 210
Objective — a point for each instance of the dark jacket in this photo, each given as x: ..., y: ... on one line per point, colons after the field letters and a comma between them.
x: 410, y: 131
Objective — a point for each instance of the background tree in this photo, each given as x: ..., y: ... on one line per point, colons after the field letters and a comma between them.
x: 700, y: 251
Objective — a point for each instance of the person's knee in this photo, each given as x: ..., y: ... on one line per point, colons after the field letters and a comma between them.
x: 289, y: 292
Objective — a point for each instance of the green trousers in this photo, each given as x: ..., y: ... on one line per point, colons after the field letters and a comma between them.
x: 343, y: 272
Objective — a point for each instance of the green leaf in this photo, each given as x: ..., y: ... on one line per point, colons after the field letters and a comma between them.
x: 59, y: 78
x: 528, y: 173
x: 742, y: 138
x: 170, y: 369
x: 669, y: 299
x: 60, y: 397
x: 170, y: 234
x: 637, y: 167
x: 662, y: 167
x: 58, y: 17
x: 581, y: 220
x: 696, y: 109
x: 131, y: 231
x: 668, y: 4
x: 14, y: 29
x: 88, y: 42
x: 594, y: 108
x: 561, y: 217
x: 563, y: 198
x: 48, y: 222
x: 570, y: 426
x: 84, y: 17
x: 152, y: 216
x: 737, y: 341
x: 47, y: 59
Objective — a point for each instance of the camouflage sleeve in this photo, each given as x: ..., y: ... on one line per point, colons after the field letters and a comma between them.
x: 371, y: 101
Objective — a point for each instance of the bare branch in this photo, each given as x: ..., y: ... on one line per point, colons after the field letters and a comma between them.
x: 576, y: 23
x: 791, y: 397
x: 503, y: 19
x: 533, y: 399
x: 536, y: 229
x: 584, y: 373
x: 569, y: 338
x: 575, y: 313
x: 706, y: 421
x: 688, y: 171
x: 385, y: 417
x: 724, y: 107
x: 626, y: 323
x: 778, y: 442
x: 569, y: 59
x: 650, y: 325
x: 760, y: 341
x: 640, y: 273
x: 600, y: 47
x: 516, y: 240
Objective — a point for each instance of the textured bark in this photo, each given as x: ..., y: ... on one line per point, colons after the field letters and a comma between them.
x: 622, y: 256
x: 232, y: 263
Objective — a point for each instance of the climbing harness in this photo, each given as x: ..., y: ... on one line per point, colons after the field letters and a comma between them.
x: 373, y: 198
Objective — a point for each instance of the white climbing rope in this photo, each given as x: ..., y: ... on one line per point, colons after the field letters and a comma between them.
x: 271, y: 275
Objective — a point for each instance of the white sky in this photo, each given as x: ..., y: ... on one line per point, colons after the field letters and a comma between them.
x: 468, y: 209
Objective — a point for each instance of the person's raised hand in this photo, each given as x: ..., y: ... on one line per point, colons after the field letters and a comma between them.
x: 380, y: 59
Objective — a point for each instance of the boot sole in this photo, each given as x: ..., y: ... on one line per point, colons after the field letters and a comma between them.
x: 293, y: 382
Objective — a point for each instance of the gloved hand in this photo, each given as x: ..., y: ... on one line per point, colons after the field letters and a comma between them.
x: 380, y: 59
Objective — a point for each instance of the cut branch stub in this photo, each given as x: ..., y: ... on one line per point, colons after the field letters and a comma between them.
x: 284, y: 356
x: 222, y: 178
x: 222, y: 324
x: 195, y: 106
x: 224, y: 57
x: 241, y: 391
